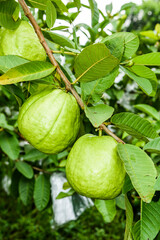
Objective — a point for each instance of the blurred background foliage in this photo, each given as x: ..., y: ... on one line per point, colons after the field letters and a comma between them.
x: 26, y: 222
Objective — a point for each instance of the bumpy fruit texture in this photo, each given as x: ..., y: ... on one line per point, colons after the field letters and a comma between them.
x: 94, y: 168
x: 50, y: 120
x: 22, y: 42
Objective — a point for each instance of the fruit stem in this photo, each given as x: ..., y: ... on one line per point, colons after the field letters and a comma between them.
x: 100, y: 132
x: 68, y: 84
x: 64, y: 52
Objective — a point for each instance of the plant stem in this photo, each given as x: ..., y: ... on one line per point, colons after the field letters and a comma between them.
x: 64, y: 52
x: 68, y: 84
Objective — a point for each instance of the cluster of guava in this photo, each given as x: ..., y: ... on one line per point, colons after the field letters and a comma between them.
x: 50, y: 121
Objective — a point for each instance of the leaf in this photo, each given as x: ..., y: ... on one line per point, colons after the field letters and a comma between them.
x: 27, y: 72
x: 61, y: 5
x: 148, y: 85
x: 94, y: 62
x: 16, y: 91
x: 157, y: 184
x: 149, y: 110
x: 107, y: 209
x: 4, y: 124
x: 9, y: 145
x: 153, y: 146
x: 25, y: 169
x: 149, y: 34
x: 148, y: 226
x: 134, y: 125
x: 58, y: 39
x: 115, y: 45
x: 51, y: 14
x: 109, y: 7
x: 77, y: 3
x: 65, y: 194
x: 26, y: 187
x: 41, y: 192
x: 40, y: 4
x: 7, y: 10
x: 127, y: 186
x: 127, y: 5
x: 94, y: 12
x: 98, y: 114
x: 140, y: 169
x: 14, y: 183
x: 120, y: 201
x: 92, y: 91
x: 150, y: 59
x: 15, y: 14
x: 131, y: 42
x: 10, y: 61
x: 129, y: 219
x: 34, y: 155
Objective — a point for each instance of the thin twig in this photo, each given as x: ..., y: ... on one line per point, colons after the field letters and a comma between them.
x: 64, y: 52
x: 41, y: 170
x: 68, y: 84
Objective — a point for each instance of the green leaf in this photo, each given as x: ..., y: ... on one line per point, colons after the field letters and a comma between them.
x: 120, y: 201
x: 98, y: 114
x: 7, y: 10
x: 140, y: 169
x: 149, y: 34
x: 59, y: 39
x: 157, y: 184
x: 107, y: 208
x: 92, y: 91
x: 10, y: 61
x: 26, y: 187
x: 109, y: 7
x: 94, y: 12
x: 40, y: 4
x: 115, y: 45
x: 150, y: 59
x: 127, y: 5
x: 15, y: 14
x: 94, y: 62
x: 148, y: 83
x: 149, y: 110
x: 129, y: 219
x: 61, y: 5
x: 134, y: 125
x: 25, y: 169
x: 27, y: 72
x: 153, y: 146
x: 34, y: 155
x: 14, y: 183
x: 41, y: 192
x: 131, y: 42
x: 148, y: 226
x: 51, y: 14
x: 9, y: 145
x: 127, y: 186
x: 4, y: 124
x: 65, y: 194
x: 77, y: 3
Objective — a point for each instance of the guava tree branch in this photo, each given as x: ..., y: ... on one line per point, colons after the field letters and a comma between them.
x: 68, y: 84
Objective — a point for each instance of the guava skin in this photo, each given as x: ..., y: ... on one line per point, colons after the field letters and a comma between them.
x: 94, y: 169
x: 50, y: 120
x: 22, y: 42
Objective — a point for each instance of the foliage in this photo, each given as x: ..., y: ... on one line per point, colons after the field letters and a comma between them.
x: 113, y: 73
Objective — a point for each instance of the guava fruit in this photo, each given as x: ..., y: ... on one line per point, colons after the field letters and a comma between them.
x: 22, y: 42
x: 50, y: 120
x: 93, y: 167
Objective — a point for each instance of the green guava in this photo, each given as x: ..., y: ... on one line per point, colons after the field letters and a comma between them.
x: 50, y: 120
x: 22, y: 42
x: 93, y: 167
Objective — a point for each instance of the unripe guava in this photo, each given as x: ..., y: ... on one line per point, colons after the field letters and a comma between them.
x: 93, y: 167
x: 22, y: 42
x: 50, y: 120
